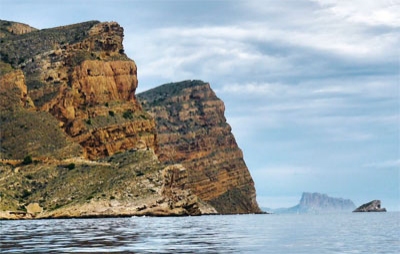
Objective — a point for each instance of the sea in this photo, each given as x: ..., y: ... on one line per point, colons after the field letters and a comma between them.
x: 267, y: 233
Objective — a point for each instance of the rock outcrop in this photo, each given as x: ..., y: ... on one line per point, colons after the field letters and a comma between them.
x: 373, y: 206
x: 8, y: 28
x: 318, y: 203
x: 192, y: 130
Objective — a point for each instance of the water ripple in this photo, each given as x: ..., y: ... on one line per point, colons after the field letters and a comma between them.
x: 334, y: 233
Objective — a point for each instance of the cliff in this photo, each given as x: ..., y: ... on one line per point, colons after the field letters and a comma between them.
x: 82, y: 77
x: 192, y: 130
x: 319, y: 203
x: 75, y: 141
x: 25, y: 131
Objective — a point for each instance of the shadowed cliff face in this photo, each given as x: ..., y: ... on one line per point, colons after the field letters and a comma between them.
x: 192, y: 130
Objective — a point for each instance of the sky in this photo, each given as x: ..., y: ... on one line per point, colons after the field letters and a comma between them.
x: 311, y: 87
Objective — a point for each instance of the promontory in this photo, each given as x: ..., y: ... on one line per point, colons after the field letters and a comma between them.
x: 77, y: 141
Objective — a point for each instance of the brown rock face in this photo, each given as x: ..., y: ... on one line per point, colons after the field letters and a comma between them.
x: 23, y: 130
x: 192, y: 130
x: 80, y: 74
x: 69, y: 92
x: 95, y: 109
x: 13, y: 91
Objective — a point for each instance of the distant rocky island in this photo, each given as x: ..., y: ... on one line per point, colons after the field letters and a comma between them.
x: 77, y: 141
x: 372, y: 206
x: 317, y: 203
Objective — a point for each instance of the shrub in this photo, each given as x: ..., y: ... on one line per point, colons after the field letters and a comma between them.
x: 71, y: 166
x: 139, y: 173
x: 111, y: 113
x: 25, y: 193
x: 27, y: 160
x: 128, y: 114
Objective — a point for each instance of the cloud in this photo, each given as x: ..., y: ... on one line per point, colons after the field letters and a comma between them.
x: 366, y: 12
x: 384, y: 164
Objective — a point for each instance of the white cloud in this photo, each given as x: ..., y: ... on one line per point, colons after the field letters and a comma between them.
x: 255, y: 89
x: 368, y: 12
x: 385, y: 164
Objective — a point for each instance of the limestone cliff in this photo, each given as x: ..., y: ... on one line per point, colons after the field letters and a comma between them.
x: 81, y: 75
x: 192, y: 130
x: 24, y: 131
x: 76, y: 142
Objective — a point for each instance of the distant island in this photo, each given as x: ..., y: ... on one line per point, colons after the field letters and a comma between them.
x: 317, y: 203
x: 372, y: 206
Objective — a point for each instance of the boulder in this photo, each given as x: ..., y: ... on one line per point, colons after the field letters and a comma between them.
x: 34, y: 208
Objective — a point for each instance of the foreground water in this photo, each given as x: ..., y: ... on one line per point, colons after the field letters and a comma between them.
x: 324, y: 233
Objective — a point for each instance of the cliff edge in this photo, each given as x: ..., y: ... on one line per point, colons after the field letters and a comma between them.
x: 192, y: 130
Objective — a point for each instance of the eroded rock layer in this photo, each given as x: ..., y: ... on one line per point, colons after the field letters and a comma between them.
x: 192, y: 130
x: 81, y: 75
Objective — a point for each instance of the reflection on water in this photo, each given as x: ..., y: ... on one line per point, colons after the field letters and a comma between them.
x: 339, y: 233
x: 137, y: 234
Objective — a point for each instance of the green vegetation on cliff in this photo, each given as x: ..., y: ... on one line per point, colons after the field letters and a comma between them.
x: 17, y: 49
x: 126, y: 176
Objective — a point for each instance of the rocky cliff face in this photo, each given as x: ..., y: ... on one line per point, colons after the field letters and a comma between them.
x: 192, y: 130
x: 81, y: 76
x: 73, y: 133
x: 319, y: 203
x: 25, y: 131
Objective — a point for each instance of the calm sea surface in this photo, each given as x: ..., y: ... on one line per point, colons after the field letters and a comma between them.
x: 325, y: 233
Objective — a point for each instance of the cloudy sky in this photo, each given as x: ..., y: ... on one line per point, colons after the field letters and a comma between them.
x: 311, y: 87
